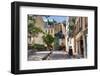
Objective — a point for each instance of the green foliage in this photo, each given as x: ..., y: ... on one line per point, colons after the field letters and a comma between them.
x: 31, y: 19
x: 73, y: 20
x: 32, y: 29
x: 50, y: 22
x: 54, y: 21
x: 48, y: 39
x: 39, y: 47
x: 71, y: 25
x: 31, y: 23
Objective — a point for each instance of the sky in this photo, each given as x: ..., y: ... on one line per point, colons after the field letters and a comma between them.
x: 57, y: 18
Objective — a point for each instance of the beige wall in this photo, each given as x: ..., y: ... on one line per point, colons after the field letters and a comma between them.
x: 79, y: 34
x: 40, y: 24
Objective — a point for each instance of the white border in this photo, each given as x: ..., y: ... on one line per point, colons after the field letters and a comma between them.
x: 26, y: 65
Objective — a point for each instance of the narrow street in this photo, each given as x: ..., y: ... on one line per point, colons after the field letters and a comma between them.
x: 59, y: 34
x: 56, y: 55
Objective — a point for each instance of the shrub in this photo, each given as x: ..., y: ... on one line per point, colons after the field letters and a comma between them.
x: 39, y: 47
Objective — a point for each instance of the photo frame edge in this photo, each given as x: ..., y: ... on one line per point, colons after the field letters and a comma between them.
x: 15, y: 42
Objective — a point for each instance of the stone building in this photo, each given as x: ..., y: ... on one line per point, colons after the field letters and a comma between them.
x: 77, y: 36
x: 80, y: 36
x: 38, y: 39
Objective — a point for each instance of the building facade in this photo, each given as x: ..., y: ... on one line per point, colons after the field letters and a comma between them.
x: 60, y: 36
x: 77, y: 36
x: 39, y: 23
x: 80, y: 36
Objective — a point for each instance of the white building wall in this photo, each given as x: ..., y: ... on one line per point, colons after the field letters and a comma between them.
x: 72, y: 44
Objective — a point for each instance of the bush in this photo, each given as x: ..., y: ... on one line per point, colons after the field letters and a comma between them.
x: 48, y: 40
x: 39, y: 47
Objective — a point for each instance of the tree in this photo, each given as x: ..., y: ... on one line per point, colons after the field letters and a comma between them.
x: 71, y: 25
x: 48, y: 40
x: 31, y: 23
x: 32, y: 29
x: 50, y: 22
x: 72, y: 33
